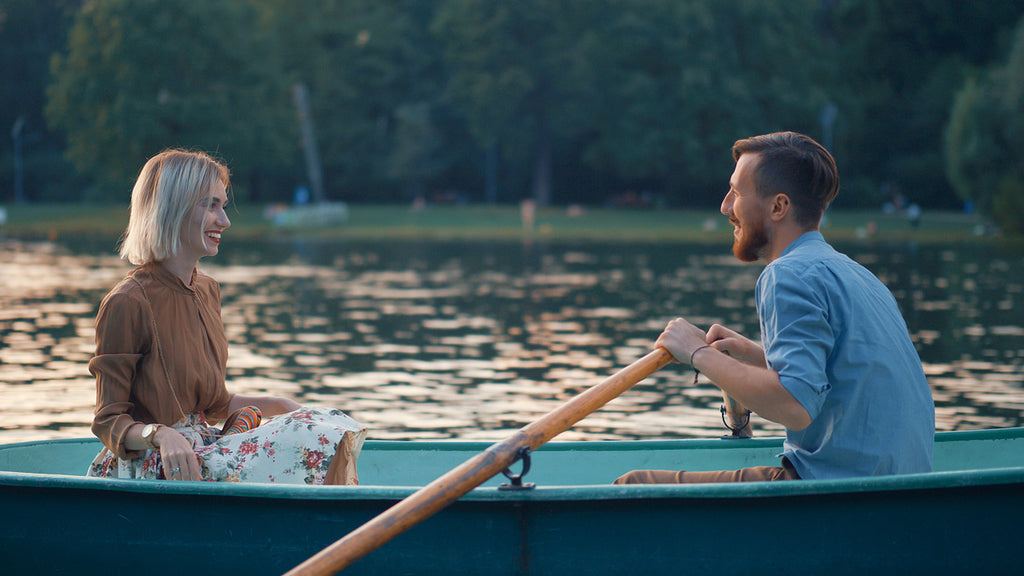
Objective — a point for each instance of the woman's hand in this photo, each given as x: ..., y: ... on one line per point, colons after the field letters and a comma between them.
x: 179, y: 460
x: 736, y: 345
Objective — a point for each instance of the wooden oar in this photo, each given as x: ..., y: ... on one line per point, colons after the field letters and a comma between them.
x: 453, y: 485
x: 735, y: 412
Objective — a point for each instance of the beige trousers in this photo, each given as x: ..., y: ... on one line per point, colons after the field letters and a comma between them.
x: 755, y: 474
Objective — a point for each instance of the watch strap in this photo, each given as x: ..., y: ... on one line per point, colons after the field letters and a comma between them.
x: 151, y: 437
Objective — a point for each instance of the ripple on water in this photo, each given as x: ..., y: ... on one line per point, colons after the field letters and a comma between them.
x: 436, y: 341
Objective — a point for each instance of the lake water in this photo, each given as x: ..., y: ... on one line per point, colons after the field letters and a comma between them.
x: 436, y: 340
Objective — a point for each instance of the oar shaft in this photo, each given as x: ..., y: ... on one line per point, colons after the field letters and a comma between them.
x: 734, y: 409
x: 456, y: 483
x: 736, y: 418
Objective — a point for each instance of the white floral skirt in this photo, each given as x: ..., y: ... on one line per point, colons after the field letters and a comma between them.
x: 293, y: 448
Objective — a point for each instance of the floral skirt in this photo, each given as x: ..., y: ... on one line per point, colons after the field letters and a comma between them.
x: 293, y: 448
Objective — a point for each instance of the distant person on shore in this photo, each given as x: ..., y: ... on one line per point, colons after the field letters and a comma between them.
x: 837, y: 368
x: 528, y: 210
x: 161, y: 356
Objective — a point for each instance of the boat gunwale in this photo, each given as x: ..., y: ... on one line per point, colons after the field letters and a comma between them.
x: 602, y: 445
x: 907, y: 482
x: 745, y: 490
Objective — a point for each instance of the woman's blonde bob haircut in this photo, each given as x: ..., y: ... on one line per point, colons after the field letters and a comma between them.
x: 169, y: 186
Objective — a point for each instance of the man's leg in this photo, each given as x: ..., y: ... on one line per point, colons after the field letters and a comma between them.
x: 755, y: 474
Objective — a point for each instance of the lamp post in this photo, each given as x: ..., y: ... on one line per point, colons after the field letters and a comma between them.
x: 16, y: 135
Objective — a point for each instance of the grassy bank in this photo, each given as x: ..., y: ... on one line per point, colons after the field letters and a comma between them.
x: 492, y: 222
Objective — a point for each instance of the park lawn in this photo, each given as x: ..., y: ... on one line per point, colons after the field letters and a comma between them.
x: 482, y: 222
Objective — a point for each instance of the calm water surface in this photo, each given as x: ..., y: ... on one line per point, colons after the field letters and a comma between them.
x: 433, y: 340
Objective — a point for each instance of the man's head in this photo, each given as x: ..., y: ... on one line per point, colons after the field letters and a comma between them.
x: 794, y: 165
x: 781, y: 186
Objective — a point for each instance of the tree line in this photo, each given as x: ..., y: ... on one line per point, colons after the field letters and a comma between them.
x: 632, y: 102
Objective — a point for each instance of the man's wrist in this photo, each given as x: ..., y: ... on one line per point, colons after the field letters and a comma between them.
x: 694, y: 354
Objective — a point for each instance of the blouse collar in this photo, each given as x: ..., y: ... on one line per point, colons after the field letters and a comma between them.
x: 164, y: 276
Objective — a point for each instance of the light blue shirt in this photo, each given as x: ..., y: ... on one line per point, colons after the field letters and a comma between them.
x: 835, y: 335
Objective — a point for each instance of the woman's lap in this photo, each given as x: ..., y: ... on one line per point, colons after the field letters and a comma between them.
x: 293, y: 448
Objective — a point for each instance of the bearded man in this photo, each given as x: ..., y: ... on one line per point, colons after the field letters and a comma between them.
x: 836, y: 366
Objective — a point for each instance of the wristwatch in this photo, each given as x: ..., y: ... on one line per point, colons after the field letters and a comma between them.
x: 149, y: 435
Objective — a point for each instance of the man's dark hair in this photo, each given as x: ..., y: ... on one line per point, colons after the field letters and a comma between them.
x: 794, y: 165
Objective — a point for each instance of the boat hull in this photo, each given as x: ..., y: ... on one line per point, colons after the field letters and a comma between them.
x: 948, y: 522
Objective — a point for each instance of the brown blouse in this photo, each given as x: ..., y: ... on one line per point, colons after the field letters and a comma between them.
x: 131, y: 384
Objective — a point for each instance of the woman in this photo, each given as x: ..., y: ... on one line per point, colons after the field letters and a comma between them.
x: 161, y: 355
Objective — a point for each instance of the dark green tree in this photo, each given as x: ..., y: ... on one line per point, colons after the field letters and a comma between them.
x: 580, y: 98
x: 509, y: 64
x: 673, y: 84
x: 985, y: 140
x: 30, y: 31
x: 900, y: 65
x: 375, y: 76
x: 139, y: 76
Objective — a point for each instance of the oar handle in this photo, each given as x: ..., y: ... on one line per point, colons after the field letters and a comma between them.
x: 453, y: 485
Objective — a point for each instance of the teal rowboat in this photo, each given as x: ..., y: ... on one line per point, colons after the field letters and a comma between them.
x: 963, y: 518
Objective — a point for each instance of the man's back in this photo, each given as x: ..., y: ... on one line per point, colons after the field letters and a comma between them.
x: 836, y: 337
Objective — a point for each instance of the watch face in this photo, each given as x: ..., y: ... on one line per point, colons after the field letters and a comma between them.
x: 148, y: 431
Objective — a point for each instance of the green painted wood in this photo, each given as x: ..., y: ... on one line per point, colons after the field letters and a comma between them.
x: 962, y: 519
x: 396, y: 463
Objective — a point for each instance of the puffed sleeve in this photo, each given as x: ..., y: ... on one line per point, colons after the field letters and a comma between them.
x: 123, y: 337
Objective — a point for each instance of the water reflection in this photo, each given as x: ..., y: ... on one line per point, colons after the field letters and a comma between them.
x: 471, y: 341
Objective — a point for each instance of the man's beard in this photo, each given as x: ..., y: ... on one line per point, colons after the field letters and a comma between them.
x: 750, y: 244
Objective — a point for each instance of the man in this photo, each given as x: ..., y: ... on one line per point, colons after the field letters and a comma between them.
x: 837, y: 367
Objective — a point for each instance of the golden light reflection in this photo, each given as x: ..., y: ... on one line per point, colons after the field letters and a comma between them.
x: 473, y: 342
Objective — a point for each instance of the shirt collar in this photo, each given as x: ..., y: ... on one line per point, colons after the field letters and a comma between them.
x: 809, y: 237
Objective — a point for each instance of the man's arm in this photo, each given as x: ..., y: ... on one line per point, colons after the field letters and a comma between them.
x: 755, y: 387
x: 751, y: 384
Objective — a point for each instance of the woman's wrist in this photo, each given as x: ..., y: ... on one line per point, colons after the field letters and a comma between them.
x: 149, y: 435
x: 161, y: 435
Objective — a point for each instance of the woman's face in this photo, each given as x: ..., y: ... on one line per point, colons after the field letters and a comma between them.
x: 201, y: 231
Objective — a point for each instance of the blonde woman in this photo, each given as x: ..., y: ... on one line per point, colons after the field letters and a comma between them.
x: 161, y: 355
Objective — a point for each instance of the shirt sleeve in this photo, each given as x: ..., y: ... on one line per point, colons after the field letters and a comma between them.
x: 795, y: 328
x: 122, y: 338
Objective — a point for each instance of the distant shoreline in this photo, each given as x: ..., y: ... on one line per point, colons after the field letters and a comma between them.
x: 502, y: 222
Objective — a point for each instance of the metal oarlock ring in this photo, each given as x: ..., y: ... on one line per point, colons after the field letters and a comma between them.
x: 517, y: 479
x: 736, y: 432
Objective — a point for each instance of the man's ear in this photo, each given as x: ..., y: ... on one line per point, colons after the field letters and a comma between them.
x: 780, y: 207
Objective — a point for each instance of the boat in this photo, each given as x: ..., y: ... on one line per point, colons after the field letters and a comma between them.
x: 554, y: 512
